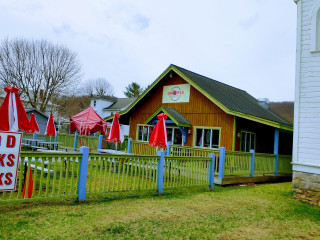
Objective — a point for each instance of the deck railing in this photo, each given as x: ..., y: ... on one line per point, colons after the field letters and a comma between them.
x: 264, y: 163
x: 143, y: 148
x: 235, y: 163
x: 183, y: 151
x: 66, y: 139
x: 186, y: 171
x: 284, y: 164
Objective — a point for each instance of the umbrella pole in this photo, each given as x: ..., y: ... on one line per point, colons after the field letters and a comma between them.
x: 116, y: 146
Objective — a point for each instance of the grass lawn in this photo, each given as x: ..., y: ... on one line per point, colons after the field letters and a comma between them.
x: 252, y: 212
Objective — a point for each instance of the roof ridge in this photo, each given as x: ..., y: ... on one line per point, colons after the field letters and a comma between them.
x: 211, y: 79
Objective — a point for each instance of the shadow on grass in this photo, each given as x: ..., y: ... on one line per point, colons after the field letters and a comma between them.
x: 169, y: 193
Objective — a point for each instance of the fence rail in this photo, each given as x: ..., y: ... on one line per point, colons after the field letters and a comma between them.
x: 57, y: 175
x: 88, y: 141
x: 121, y: 173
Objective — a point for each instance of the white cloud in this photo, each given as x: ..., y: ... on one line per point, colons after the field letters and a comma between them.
x: 247, y: 44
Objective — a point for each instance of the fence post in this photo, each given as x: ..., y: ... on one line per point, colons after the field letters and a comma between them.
x: 275, y: 150
x: 55, y: 140
x: 75, y: 141
x: 100, y: 143
x: 212, y: 165
x: 252, y: 163
x: 168, y: 148
x: 129, y: 145
x: 160, y: 172
x: 221, y: 162
x: 83, y: 173
x: 35, y: 136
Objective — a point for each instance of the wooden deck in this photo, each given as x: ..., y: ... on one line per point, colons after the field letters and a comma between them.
x: 230, y: 180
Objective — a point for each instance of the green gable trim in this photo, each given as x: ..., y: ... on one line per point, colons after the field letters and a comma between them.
x: 169, y: 112
x: 143, y: 94
x: 210, y: 97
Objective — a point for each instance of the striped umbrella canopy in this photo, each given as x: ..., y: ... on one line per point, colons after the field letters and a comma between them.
x: 158, y: 136
x: 115, y: 134
x: 50, y: 130
x: 34, y: 128
x: 13, y: 115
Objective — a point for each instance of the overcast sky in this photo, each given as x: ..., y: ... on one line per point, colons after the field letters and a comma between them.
x: 249, y: 44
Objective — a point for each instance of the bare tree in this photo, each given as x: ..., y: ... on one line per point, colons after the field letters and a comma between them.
x: 98, y: 86
x: 40, y: 69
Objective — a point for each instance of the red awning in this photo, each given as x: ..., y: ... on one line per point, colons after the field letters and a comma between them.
x: 88, y: 121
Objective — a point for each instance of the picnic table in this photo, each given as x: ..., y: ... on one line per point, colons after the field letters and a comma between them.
x: 31, y: 143
x: 111, y: 151
x: 50, y: 145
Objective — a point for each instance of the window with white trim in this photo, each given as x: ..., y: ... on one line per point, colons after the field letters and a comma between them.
x: 174, y: 135
x: 144, y: 132
x: 248, y: 141
x: 317, y: 32
x: 315, y: 29
x: 207, y: 137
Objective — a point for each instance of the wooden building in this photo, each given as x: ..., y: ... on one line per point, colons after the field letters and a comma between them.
x: 42, y: 119
x: 306, y: 144
x: 206, y: 113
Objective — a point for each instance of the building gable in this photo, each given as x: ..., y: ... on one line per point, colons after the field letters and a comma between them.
x: 231, y: 100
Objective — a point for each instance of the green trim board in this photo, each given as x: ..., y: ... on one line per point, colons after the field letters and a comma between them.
x: 143, y: 94
x: 231, y: 100
x: 173, y: 114
x: 234, y: 134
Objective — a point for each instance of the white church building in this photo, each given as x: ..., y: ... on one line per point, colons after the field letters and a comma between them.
x: 306, y: 145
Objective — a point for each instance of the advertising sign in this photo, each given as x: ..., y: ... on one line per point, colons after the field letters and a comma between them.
x: 10, y: 145
x: 176, y: 93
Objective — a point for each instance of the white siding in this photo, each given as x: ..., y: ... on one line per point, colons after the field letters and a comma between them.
x: 306, y: 149
x: 100, y: 105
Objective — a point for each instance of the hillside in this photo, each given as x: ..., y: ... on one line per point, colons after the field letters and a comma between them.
x: 284, y: 109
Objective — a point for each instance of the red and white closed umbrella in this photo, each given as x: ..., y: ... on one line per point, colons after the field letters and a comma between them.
x: 13, y: 116
x: 115, y: 134
x: 158, y: 136
x: 50, y: 130
x: 34, y: 128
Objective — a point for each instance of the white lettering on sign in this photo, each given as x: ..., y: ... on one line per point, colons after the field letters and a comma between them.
x: 176, y: 93
x: 10, y: 145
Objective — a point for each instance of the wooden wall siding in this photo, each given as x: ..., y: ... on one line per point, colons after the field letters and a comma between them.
x: 199, y: 111
x: 307, y: 90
